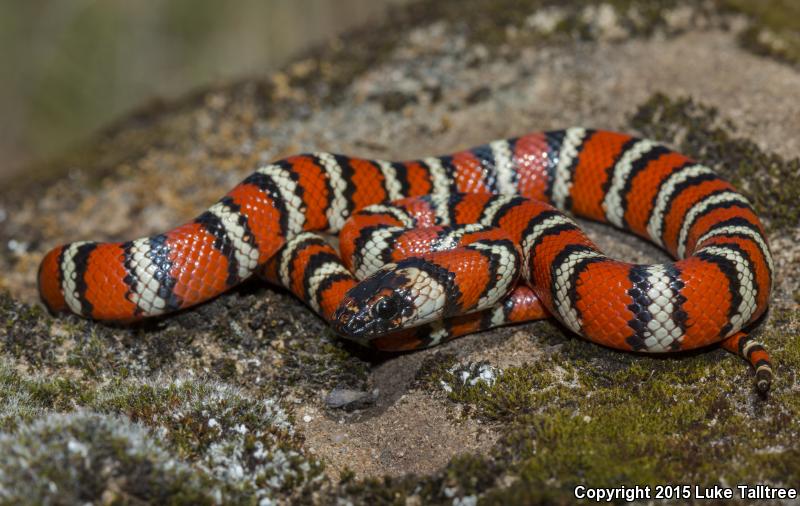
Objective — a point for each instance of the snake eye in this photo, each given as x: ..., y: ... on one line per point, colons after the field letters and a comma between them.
x: 386, y: 308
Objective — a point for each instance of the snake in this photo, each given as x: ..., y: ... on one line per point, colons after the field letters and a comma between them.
x: 435, y: 248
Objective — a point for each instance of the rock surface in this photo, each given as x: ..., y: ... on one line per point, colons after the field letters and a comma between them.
x: 227, y: 402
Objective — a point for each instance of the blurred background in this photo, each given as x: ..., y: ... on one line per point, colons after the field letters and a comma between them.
x: 72, y: 67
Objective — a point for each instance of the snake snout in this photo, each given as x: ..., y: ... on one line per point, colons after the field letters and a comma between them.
x: 348, y: 321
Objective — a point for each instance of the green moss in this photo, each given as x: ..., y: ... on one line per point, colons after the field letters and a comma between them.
x: 434, y: 369
x: 17, y: 315
x: 245, y: 445
x: 501, y: 395
x: 596, y: 417
x: 225, y: 368
x: 90, y: 354
x: 28, y: 334
x: 21, y: 397
x: 589, y: 416
x: 325, y: 362
x: 20, y: 325
x: 86, y: 457
x: 16, y: 402
x: 696, y: 130
x: 231, y: 338
x: 59, y: 393
x: 774, y: 30
x: 689, y: 437
x: 248, y: 443
x: 466, y: 475
x: 774, y: 25
x: 499, y: 22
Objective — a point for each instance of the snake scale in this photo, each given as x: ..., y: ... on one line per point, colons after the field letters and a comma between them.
x: 439, y: 247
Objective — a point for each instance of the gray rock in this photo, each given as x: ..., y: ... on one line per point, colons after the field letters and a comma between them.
x: 343, y: 398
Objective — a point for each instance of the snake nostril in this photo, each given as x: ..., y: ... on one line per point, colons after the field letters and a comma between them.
x: 355, y: 324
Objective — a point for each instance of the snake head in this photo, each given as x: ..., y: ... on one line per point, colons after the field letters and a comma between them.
x: 397, y: 296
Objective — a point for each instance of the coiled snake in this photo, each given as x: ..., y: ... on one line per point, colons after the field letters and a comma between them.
x: 471, y: 241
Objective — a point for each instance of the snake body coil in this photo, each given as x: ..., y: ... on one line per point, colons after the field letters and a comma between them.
x: 270, y: 223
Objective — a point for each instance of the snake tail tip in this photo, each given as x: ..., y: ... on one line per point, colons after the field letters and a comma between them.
x: 763, y: 380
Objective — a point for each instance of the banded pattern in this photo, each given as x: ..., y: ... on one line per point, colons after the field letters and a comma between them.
x: 271, y: 222
x: 471, y: 266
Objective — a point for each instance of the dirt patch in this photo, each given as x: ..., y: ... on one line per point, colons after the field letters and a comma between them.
x: 415, y: 435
